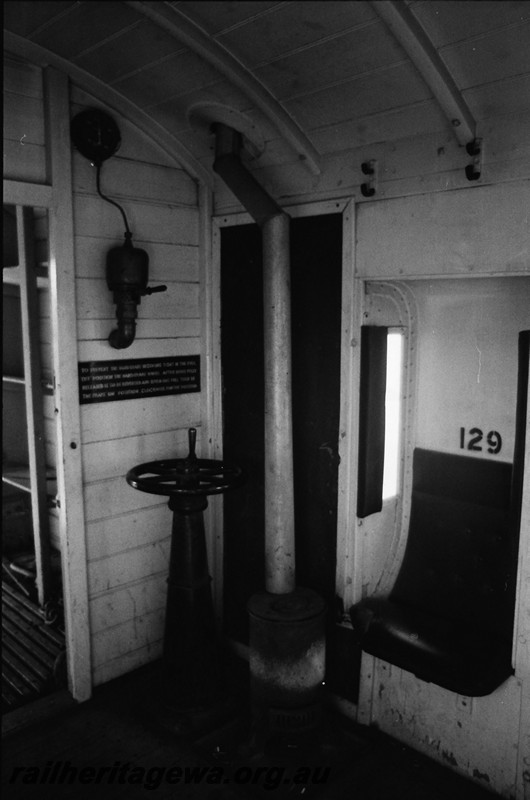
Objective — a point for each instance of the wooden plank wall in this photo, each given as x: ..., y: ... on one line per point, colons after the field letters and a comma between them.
x: 128, y: 532
x: 477, y: 736
x: 467, y: 375
x: 478, y: 230
x: 24, y: 141
x: 471, y: 327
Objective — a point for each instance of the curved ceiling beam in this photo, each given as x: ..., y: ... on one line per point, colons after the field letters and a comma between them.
x: 23, y: 48
x: 193, y: 36
x: 421, y: 51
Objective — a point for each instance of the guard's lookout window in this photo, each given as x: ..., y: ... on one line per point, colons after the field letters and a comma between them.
x: 379, y: 417
x: 394, y: 370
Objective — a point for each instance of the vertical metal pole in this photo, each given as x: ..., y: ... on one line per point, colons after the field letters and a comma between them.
x: 275, y: 227
x: 287, y: 625
x: 279, y: 492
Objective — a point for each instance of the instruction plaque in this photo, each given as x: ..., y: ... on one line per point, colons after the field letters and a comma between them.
x: 133, y: 378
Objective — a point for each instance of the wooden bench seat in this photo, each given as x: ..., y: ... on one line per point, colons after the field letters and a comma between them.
x: 449, y: 617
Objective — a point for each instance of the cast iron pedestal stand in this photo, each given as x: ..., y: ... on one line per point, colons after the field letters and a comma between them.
x: 191, y: 689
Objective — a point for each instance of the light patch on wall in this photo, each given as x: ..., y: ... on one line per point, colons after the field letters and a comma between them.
x: 394, y: 370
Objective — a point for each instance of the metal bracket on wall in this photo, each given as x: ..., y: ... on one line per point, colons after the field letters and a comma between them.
x: 474, y: 149
x: 369, y: 168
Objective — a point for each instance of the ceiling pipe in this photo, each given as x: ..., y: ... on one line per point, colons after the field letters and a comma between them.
x: 279, y: 488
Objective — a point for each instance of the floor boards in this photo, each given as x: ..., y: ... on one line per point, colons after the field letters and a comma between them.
x: 33, y: 652
x: 115, y: 731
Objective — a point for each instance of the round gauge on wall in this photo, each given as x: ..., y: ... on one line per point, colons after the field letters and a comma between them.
x: 95, y: 134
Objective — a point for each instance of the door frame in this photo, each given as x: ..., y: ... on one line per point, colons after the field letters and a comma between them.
x: 56, y: 197
x: 348, y: 421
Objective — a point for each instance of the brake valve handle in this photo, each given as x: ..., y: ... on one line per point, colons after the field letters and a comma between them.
x: 192, y: 440
x: 153, y: 289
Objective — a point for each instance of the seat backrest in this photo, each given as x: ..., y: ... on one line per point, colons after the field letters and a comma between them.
x: 460, y: 562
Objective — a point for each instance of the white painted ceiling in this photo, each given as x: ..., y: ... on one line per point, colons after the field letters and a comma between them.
x: 302, y: 80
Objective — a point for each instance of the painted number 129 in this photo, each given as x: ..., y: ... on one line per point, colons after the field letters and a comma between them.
x: 473, y: 440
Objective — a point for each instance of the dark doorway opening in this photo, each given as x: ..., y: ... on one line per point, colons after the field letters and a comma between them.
x: 316, y: 281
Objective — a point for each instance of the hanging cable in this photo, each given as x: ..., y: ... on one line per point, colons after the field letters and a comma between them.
x: 128, y: 233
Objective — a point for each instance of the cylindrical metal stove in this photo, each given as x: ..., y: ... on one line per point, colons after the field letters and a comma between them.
x: 287, y: 661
